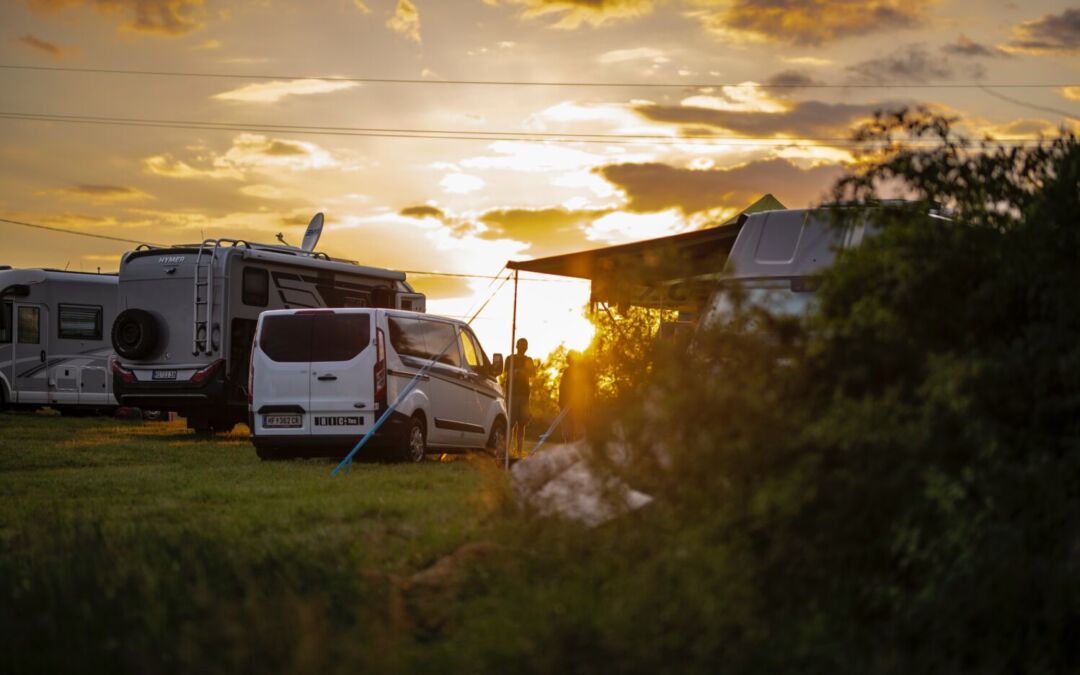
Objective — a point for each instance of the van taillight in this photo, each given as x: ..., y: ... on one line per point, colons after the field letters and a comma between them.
x: 380, y: 369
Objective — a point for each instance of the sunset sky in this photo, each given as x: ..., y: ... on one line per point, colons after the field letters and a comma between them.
x: 688, y: 68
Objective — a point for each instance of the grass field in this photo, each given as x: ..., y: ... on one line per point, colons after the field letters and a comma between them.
x: 135, y: 546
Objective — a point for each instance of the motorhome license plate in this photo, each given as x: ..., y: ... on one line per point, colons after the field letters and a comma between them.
x: 281, y: 421
x: 164, y: 375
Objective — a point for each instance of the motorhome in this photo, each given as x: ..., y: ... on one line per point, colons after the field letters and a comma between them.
x: 54, y: 346
x: 777, y: 256
x: 321, y: 379
x: 188, y: 315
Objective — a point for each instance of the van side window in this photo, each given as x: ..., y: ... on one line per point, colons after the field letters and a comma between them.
x: 442, y: 339
x: 255, y: 287
x: 29, y: 325
x: 5, y: 323
x: 424, y: 339
x: 79, y: 322
x: 480, y: 355
x: 469, y: 350
x: 407, y: 337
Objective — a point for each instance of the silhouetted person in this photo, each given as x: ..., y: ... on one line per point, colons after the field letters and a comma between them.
x: 575, y: 396
x: 519, y: 372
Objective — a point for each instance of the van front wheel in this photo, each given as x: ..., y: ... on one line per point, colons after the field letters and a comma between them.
x: 415, y: 443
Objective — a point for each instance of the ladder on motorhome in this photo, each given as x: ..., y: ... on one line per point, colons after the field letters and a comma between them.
x: 203, y: 305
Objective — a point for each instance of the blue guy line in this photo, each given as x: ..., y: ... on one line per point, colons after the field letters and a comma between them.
x: 551, y: 430
x: 347, y: 462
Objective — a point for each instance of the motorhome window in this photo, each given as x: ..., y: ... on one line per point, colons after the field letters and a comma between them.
x: 5, y: 323
x: 339, y: 337
x: 286, y: 338
x: 29, y: 325
x: 469, y: 351
x: 256, y: 287
x: 79, y: 322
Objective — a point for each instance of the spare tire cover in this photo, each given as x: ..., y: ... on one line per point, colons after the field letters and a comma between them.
x: 134, y: 333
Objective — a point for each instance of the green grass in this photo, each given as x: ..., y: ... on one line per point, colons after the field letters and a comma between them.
x: 138, y: 547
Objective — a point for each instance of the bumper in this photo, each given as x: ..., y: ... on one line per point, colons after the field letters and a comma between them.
x: 389, y: 437
x: 172, y: 396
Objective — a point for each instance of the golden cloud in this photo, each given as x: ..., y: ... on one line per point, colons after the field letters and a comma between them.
x: 163, y: 17
x: 439, y: 288
x: 654, y: 186
x: 96, y: 194
x: 1049, y: 34
x: 801, y: 119
x: 547, y: 231
x: 406, y: 20
x: 274, y: 91
x: 807, y: 22
x: 573, y: 13
x: 1071, y: 93
x: 34, y: 42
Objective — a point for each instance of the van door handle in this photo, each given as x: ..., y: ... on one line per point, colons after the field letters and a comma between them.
x: 327, y: 378
x: 43, y: 356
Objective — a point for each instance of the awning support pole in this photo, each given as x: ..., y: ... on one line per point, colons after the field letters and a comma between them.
x: 510, y: 377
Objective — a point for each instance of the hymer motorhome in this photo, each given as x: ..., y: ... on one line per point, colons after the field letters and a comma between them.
x: 54, y: 344
x: 188, y: 315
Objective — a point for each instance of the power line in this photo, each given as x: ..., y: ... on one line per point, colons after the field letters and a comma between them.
x: 487, y: 136
x: 75, y: 232
x: 535, y: 83
x: 135, y: 241
x: 1031, y: 106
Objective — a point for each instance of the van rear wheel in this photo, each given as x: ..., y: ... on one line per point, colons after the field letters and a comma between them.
x: 415, y: 444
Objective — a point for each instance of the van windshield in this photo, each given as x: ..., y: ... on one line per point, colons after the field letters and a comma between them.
x: 792, y: 297
x: 295, y: 338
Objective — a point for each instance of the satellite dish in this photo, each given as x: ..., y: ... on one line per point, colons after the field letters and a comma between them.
x: 311, y: 236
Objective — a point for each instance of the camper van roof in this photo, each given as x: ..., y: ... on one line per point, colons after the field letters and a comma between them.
x: 26, y: 276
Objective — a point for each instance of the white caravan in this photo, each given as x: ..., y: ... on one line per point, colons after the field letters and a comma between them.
x: 54, y: 345
x: 188, y: 314
x: 321, y: 379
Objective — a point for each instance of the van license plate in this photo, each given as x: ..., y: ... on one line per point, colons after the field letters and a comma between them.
x: 281, y: 421
x: 164, y: 375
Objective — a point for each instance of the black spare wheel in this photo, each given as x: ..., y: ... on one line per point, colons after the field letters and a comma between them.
x: 134, y: 333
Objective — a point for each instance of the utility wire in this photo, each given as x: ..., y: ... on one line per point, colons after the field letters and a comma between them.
x: 1031, y: 106
x: 536, y: 83
x: 448, y: 134
x: 76, y: 232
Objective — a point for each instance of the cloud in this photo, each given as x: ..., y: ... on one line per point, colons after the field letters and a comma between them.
x: 655, y: 186
x: 532, y: 157
x: 800, y: 119
x: 438, y: 288
x: 361, y: 6
x: 162, y: 17
x: 546, y: 231
x: 1071, y: 93
x: 461, y: 183
x: 808, y: 22
x: 574, y: 13
x: 910, y: 64
x: 35, y: 42
x: 1049, y: 34
x: 424, y: 211
x: 406, y: 20
x: 966, y: 47
x: 272, y: 92
x: 97, y: 194
x: 636, y: 54
x: 249, y: 152
x: 792, y: 80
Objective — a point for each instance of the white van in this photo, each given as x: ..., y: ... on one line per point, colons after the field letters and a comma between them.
x: 320, y: 378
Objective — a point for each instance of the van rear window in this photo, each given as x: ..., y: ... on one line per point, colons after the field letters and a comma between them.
x: 293, y: 338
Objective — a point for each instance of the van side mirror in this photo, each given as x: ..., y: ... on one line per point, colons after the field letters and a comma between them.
x: 496, y: 364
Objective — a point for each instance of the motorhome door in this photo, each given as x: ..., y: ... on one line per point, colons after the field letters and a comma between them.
x: 30, y: 358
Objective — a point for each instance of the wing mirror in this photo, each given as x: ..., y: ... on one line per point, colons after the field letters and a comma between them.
x: 496, y: 365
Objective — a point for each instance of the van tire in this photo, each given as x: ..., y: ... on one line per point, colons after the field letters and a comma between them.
x: 414, y: 444
x: 496, y: 443
x: 134, y: 333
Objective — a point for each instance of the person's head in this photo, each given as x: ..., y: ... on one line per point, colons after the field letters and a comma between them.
x: 570, y: 358
x: 522, y: 345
